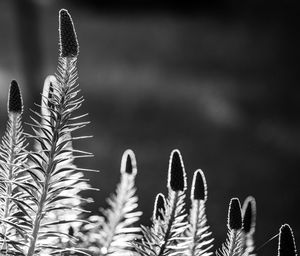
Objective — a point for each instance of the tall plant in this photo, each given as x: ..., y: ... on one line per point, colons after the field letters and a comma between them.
x: 41, y: 208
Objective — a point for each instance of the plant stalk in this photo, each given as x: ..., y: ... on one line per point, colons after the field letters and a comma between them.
x: 171, y: 220
x: 13, y: 118
x: 40, y: 212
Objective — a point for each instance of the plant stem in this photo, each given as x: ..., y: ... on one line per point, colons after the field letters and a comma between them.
x: 56, y: 129
x: 232, y: 243
x: 174, y: 200
x: 119, y: 212
x: 13, y: 118
x: 39, y: 214
x: 196, y: 204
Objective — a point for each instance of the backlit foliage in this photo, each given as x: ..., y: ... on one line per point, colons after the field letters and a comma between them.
x: 41, y: 207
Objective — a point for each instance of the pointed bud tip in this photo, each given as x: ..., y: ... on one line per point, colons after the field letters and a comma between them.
x: 249, y: 215
x: 159, y: 207
x: 177, y: 175
x: 235, y: 214
x: 199, y: 186
x: 15, y: 102
x: 71, y: 231
x: 128, y: 163
x: 67, y: 36
x: 286, y: 245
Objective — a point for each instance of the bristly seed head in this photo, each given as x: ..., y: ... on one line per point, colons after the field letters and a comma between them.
x: 199, y: 186
x: 176, y: 175
x: 235, y: 215
x: 67, y: 36
x: 159, y: 207
x: 128, y: 163
x: 15, y: 102
x: 249, y: 215
x: 286, y: 245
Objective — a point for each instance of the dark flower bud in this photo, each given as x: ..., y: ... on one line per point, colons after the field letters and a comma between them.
x: 15, y: 102
x: 235, y: 214
x: 50, y: 96
x: 177, y: 176
x: 71, y: 231
x: 199, y: 187
x: 128, y: 162
x: 249, y: 215
x: 286, y: 245
x: 67, y: 36
x: 159, y: 207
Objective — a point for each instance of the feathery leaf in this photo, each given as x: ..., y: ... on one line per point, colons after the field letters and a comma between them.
x: 13, y: 178
x: 164, y: 237
x: 55, y: 176
x: 114, y: 232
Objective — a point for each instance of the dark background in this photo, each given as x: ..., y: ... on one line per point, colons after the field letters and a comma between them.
x: 219, y: 81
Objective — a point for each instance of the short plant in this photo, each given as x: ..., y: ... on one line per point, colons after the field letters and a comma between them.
x: 41, y: 208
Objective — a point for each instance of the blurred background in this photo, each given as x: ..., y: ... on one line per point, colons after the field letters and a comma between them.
x: 219, y: 81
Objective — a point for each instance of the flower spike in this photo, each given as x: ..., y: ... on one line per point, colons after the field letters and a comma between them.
x: 67, y: 36
x: 128, y: 163
x: 249, y: 215
x: 160, y: 239
x: 235, y: 215
x: 286, y: 245
x: 15, y: 102
x: 177, y: 175
x: 198, y: 234
x: 234, y: 243
x: 199, y: 187
x: 159, y: 207
x: 118, y: 229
